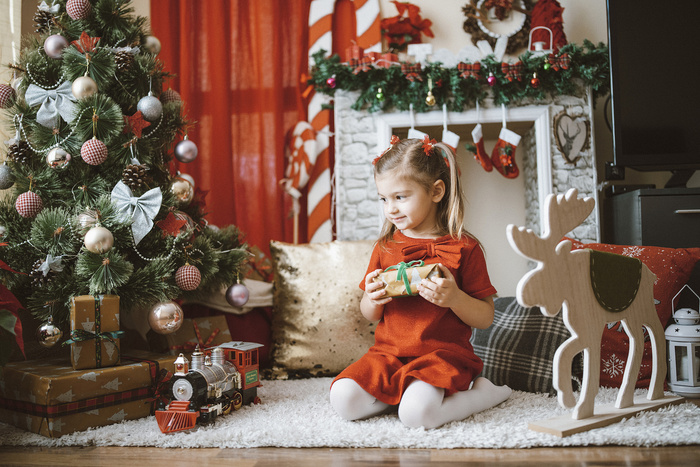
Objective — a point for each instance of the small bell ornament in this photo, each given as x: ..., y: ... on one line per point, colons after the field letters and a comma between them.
x: 430, y: 99
x: 150, y: 107
x: 54, y: 45
x: 48, y: 334
x: 186, y: 151
x: 237, y: 295
x: 188, y: 277
x: 98, y: 240
x: 165, y: 317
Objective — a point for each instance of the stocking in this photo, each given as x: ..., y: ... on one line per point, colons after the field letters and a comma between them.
x: 450, y: 139
x: 503, y: 155
x: 480, y: 153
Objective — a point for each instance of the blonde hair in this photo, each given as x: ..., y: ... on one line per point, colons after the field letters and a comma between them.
x: 408, y: 159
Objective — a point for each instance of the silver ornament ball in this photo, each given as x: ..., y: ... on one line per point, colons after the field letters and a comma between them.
x: 182, y: 190
x: 54, y: 45
x: 150, y: 107
x: 48, y: 334
x: 7, y: 179
x: 237, y: 295
x: 165, y: 317
x: 152, y: 44
x: 186, y: 151
x: 84, y: 87
x: 99, y: 240
x: 58, y: 158
x: 187, y: 177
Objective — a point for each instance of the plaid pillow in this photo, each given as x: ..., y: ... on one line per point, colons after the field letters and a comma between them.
x: 518, y: 348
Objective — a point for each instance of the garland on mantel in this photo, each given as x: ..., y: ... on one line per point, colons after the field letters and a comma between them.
x: 398, y: 86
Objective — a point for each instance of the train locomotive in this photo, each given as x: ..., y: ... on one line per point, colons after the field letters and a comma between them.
x: 214, y: 385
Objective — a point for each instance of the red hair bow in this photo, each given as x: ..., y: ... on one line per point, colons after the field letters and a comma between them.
x: 446, y: 251
x: 428, y: 145
x: 394, y: 139
x: 469, y: 70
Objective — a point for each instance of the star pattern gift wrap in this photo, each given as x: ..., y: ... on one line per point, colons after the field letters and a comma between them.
x: 403, y: 278
x: 204, y: 332
x: 50, y: 398
x: 94, y: 338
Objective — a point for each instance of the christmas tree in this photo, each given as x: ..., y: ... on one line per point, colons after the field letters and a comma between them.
x: 94, y: 204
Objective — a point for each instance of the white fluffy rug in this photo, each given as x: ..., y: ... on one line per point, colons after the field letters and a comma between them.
x: 298, y: 414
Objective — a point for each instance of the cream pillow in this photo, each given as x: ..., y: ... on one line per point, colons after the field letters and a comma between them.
x: 317, y: 327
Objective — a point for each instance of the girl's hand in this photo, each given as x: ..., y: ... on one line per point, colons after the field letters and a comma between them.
x: 442, y: 291
x: 375, y: 290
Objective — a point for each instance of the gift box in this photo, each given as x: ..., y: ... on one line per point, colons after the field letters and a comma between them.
x: 94, y: 337
x: 52, y: 399
x: 403, y: 278
x: 203, y: 332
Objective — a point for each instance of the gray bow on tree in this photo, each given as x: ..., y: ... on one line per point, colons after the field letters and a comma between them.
x: 51, y: 9
x: 54, y: 102
x: 142, y: 209
x: 51, y: 263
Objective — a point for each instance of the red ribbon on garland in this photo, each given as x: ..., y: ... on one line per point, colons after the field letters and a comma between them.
x: 412, y: 71
x: 513, y: 72
x: 563, y: 61
x: 363, y: 64
x: 467, y: 70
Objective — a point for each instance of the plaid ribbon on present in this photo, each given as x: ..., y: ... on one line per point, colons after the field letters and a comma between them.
x: 360, y: 65
x: 202, y: 344
x: 401, y: 273
x: 467, y: 70
x: 412, y: 71
x: 562, y: 61
x: 513, y: 72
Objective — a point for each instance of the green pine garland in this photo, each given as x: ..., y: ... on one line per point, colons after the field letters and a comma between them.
x: 589, y: 66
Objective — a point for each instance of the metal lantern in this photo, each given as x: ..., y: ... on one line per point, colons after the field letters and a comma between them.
x: 684, y: 350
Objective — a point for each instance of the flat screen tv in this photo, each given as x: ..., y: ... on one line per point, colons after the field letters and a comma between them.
x: 655, y: 93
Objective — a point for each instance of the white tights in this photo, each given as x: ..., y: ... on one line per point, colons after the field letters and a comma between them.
x: 421, y: 404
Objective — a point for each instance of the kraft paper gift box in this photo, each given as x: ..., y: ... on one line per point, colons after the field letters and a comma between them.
x: 206, y: 332
x: 94, y: 339
x: 398, y: 280
x: 52, y: 399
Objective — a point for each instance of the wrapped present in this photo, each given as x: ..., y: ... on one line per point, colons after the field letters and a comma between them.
x: 203, y: 332
x: 52, y: 399
x: 403, y: 278
x: 94, y: 336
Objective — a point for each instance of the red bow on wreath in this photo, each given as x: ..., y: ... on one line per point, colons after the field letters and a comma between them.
x: 412, y: 71
x: 446, y: 251
x: 561, y: 61
x: 467, y: 69
x: 513, y: 72
x: 363, y: 64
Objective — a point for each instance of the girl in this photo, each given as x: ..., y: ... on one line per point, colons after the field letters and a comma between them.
x: 422, y: 359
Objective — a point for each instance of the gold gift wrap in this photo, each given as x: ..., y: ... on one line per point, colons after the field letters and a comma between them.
x: 52, y: 399
x: 94, y: 324
x: 400, y: 278
x: 206, y: 332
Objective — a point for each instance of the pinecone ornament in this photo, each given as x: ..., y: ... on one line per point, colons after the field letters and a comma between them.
x: 37, y: 275
x: 135, y: 175
x: 43, y: 20
x: 20, y: 152
x: 124, y: 61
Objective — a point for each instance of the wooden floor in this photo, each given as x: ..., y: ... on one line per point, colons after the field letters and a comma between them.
x: 279, y: 457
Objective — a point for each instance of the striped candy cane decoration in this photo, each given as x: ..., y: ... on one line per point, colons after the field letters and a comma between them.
x: 319, y: 202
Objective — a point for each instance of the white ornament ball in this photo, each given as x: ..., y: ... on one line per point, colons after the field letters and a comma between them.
x: 186, y: 151
x: 28, y: 204
x: 7, y: 179
x: 48, y: 334
x: 99, y: 240
x: 165, y: 317
x: 7, y: 96
x: 150, y: 107
x: 54, y: 45
x: 152, y: 44
x: 78, y: 9
x: 84, y: 87
x: 237, y: 295
x: 188, y: 277
x: 182, y: 190
x: 3, y: 231
x: 94, y: 151
x: 58, y: 158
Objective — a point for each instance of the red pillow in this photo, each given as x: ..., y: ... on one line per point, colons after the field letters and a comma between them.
x: 672, y: 267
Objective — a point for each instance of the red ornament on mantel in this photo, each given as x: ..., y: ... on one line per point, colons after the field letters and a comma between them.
x: 535, y: 81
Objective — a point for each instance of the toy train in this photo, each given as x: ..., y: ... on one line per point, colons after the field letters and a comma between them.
x: 214, y: 385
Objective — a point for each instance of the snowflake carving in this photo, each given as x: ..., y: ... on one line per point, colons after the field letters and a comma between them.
x: 633, y: 251
x: 614, y: 366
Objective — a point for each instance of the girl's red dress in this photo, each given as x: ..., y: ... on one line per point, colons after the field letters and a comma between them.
x: 416, y: 339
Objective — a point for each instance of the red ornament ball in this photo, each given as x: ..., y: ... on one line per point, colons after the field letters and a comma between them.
x: 535, y: 82
x: 28, y: 204
x: 491, y: 80
x: 94, y: 151
x: 331, y: 82
x: 237, y: 295
x: 78, y: 9
x: 188, y: 277
x: 7, y: 96
x: 170, y: 95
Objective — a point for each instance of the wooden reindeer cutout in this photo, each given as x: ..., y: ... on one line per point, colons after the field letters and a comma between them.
x: 565, y: 279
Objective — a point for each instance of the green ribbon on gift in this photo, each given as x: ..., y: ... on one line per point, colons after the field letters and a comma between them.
x: 81, y: 335
x: 401, y: 273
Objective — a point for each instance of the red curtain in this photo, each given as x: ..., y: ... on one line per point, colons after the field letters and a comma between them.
x: 237, y: 65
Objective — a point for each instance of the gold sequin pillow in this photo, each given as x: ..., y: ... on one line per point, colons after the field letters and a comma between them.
x: 317, y: 327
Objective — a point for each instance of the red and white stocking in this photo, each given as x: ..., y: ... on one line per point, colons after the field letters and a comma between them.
x: 503, y: 155
x: 480, y: 154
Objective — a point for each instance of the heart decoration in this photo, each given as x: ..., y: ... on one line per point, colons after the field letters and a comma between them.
x: 572, y: 136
